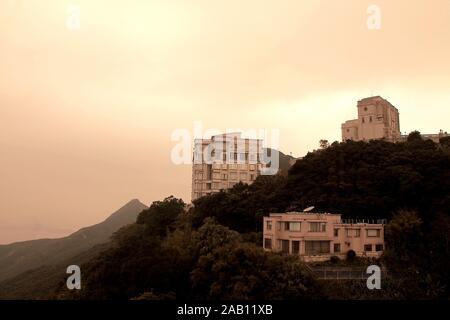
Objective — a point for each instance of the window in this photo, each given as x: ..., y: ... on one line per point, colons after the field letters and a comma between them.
x: 373, y: 233
x: 224, y: 176
x: 208, y: 172
x: 285, y: 226
x: 317, y: 226
x: 216, y: 185
x: 285, y: 246
x: 295, y: 247
x: 337, y: 247
x: 252, y: 177
x: 294, y: 226
x: 279, y: 226
x: 233, y: 176
x: 370, y: 119
x: 317, y: 247
x: 269, y: 225
x: 354, y: 233
x: 336, y: 232
x: 367, y: 247
x: 208, y: 186
x: 379, y: 247
x: 268, y: 243
x: 243, y: 176
x: 252, y: 167
x: 216, y: 175
x: 363, y: 120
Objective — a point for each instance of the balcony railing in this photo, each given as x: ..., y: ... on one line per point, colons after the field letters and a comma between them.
x: 364, y: 221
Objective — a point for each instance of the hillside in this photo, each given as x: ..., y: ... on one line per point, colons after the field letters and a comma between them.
x: 285, y: 161
x: 41, y: 283
x: 214, y: 252
x: 18, y: 257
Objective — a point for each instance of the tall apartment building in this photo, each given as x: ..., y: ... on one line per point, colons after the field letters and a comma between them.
x: 224, y: 160
x: 377, y: 119
x: 318, y: 236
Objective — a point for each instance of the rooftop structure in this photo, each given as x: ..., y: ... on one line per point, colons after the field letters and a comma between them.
x: 377, y: 119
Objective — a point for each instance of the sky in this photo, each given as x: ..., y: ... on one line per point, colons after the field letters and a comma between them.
x: 92, y: 90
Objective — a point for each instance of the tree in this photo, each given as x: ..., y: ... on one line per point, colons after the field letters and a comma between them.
x: 324, y: 144
x: 162, y: 214
x: 414, y: 136
x: 404, y: 243
x: 445, y: 142
x: 404, y: 235
x: 242, y: 207
x: 246, y: 272
x: 369, y: 179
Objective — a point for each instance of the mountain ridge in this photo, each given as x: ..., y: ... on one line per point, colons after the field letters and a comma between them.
x: 18, y: 257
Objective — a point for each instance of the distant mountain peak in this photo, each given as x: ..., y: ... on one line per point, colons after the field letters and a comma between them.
x: 134, y: 202
x: 129, y: 209
x: 21, y: 256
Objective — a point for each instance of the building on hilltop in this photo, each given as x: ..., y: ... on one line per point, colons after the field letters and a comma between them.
x: 224, y: 160
x: 318, y: 236
x: 377, y: 119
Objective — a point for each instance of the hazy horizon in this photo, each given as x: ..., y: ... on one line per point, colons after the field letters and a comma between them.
x: 86, y: 115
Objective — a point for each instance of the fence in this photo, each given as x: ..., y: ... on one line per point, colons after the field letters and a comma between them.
x: 342, y: 273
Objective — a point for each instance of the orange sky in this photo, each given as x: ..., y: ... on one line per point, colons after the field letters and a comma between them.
x: 86, y: 116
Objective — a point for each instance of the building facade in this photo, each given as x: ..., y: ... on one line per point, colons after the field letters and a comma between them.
x: 377, y: 119
x: 224, y: 160
x: 318, y: 236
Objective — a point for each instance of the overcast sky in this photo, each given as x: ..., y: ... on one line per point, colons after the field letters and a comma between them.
x: 86, y: 115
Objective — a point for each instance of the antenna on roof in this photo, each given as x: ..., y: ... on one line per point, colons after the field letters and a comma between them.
x: 308, y: 209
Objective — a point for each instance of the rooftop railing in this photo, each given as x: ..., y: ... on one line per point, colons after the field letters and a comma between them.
x: 364, y: 221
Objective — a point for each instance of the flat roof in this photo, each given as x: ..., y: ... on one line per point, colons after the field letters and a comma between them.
x: 306, y: 213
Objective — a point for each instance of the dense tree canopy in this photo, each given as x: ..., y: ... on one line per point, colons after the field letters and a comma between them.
x: 212, y: 250
x: 356, y: 179
x: 372, y: 180
x: 212, y: 262
x: 162, y: 214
